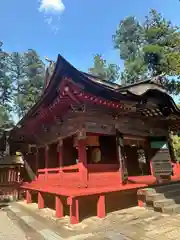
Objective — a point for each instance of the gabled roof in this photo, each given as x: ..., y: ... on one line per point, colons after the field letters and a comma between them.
x: 148, y: 98
x: 99, y: 87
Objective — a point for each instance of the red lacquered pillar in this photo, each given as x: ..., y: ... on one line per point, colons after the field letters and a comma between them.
x: 74, y: 210
x: 37, y: 160
x: 141, y: 203
x: 101, y: 207
x: 59, y: 207
x: 82, y: 157
x: 60, y: 153
x: 46, y: 156
x: 40, y: 200
x: 28, y: 197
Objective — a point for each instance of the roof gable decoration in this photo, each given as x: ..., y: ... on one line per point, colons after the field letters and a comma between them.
x: 49, y: 71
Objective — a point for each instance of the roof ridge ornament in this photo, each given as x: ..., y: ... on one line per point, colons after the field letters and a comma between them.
x: 49, y: 60
x: 159, y: 80
x: 49, y: 71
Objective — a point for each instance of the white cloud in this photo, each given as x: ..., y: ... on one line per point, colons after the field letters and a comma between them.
x: 53, y: 6
x: 49, y: 20
x: 51, y: 10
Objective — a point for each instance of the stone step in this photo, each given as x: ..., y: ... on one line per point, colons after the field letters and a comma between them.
x: 159, y: 189
x: 166, y: 202
x: 154, y: 197
x: 146, y: 191
x: 164, y: 198
x: 165, y: 188
x: 159, y: 196
x: 172, y: 209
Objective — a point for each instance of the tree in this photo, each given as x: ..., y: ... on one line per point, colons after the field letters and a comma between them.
x: 5, y: 119
x: 5, y: 91
x: 176, y: 143
x: 21, y: 82
x: 29, y: 73
x: 135, y: 71
x: 128, y: 40
x: 176, y: 147
x: 5, y: 80
x: 17, y: 74
x: 162, y: 45
x: 149, y: 49
x: 104, y: 71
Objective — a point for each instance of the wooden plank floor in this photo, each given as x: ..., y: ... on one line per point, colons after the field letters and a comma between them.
x: 134, y: 183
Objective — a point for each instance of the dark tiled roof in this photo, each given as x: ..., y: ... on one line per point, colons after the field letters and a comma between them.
x: 101, y: 88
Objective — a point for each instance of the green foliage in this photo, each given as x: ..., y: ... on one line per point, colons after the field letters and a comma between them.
x: 149, y: 49
x: 176, y: 143
x: 27, y: 72
x: 162, y: 43
x: 5, y: 80
x: 5, y: 119
x: 5, y: 91
x: 109, y: 72
x: 21, y: 83
x: 17, y: 74
x: 134, y: 71
x: 127, y: 38
x: 31, y: 85
x: 176, y: 146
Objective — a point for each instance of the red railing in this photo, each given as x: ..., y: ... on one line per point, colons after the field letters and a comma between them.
x: 48, y: 170
x: 72, y: 168
x: 58, y: 176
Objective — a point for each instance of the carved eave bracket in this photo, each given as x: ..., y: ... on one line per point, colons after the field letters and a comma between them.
x: 81, y: 134
x: 78, y: 108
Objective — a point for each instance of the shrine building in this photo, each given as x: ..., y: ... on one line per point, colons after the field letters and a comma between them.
x: 87, y: 138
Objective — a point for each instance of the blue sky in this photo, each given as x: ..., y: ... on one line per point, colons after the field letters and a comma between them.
x: 77, y: 29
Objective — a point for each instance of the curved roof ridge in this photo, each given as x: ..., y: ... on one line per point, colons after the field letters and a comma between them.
x: 153, y: 80
x: 65, y: 69
x: 102, y: 81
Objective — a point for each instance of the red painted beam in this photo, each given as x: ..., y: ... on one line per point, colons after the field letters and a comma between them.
x: 40, y: 200
x: 28, y: 197
x: 101, y: 207
x: 46, y: 156
x: 37, y: 161
x: 60, y: 153
x: 74, y: 210
x: 82, y: 156
x: 59, y: 207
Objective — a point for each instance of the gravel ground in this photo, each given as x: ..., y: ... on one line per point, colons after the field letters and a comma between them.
x: 26, y: 221
x: 8, y: 229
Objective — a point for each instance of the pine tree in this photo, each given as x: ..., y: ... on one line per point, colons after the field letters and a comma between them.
x: 5, y: 80
x: 176, y: 146
x: 31, y: 84
x: 104, y: 71
x: 5, y: 90
x: 17, y: 75
x: 149, y: 49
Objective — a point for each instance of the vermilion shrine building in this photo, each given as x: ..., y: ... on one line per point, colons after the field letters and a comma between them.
x: 87, y: 137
